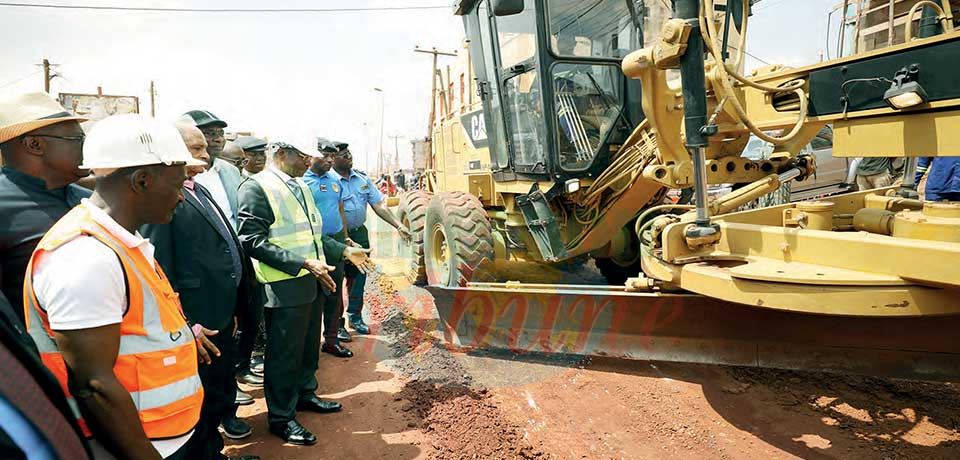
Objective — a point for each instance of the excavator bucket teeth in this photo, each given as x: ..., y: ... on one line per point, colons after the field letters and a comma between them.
x: 607, y: 321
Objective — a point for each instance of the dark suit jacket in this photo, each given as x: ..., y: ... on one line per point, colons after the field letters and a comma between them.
x: 254, y: 218
x: 48, y: 383
x: 196, y: 258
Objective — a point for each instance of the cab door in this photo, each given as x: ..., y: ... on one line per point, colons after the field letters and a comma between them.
x: 486, y: 127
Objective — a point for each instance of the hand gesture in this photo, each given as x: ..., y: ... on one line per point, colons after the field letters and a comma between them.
x: 404, y: 232
x: 352, y: 244
x: 206, y: 348
x: 359, y: 257
x: 321, y: 271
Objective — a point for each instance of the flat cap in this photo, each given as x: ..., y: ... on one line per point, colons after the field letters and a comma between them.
x: 203, y: 119
x: 251, y: 143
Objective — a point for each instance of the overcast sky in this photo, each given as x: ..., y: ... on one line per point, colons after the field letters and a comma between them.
x: 291, y: 75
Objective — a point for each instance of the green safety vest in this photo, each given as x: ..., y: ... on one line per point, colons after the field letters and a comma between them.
x: 293, y: 229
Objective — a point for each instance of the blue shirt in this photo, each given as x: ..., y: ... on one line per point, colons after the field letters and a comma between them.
x: 358, y: 190
x: 23, y: 434
x: 327, y: 192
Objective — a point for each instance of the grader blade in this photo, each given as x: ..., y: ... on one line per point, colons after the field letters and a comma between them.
x: 607, y: 321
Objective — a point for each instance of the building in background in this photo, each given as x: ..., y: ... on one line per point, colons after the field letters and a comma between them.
x: 96, y: 107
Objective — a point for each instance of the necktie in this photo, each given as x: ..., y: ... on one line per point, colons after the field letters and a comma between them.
x: 297, y: 192
x: 294, y: 187
x: 23, y: 392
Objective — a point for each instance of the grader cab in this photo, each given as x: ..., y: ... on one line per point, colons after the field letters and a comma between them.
x: 585, y: 127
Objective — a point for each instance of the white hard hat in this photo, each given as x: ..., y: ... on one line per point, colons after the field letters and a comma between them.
x: 122, y: 141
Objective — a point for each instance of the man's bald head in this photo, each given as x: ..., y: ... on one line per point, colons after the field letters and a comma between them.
x: 233, y: 154
x: 196, y: 144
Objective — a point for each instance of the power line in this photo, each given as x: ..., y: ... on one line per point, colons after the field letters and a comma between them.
x: 224, y: 10
x: 749, y: 54
x: 13, y: 82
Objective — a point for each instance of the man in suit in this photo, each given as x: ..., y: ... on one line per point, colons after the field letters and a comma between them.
x: 206, y: 265
x: 221, y: 178
x: 281, y: 227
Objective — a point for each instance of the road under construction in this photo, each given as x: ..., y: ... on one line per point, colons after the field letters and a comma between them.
x: 591, y: 265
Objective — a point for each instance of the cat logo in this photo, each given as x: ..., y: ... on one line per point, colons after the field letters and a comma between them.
x: 323, y: 187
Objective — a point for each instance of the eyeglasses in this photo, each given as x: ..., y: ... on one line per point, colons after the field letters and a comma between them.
x: 81, y: 138
x: 255, y: 153
x: 238, y: 162
x: 212, y: 133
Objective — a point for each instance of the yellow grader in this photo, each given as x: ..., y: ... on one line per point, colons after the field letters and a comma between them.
x: 581, y: 128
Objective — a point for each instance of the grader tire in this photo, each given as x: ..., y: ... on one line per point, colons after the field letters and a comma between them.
x: 617, y: 274
x: 413, y: 215
x: 458, y: 240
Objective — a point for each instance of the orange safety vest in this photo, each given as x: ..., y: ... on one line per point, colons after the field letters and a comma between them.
x: 157, y: 362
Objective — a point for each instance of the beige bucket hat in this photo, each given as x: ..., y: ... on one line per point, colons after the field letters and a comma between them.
x: 23, y: 113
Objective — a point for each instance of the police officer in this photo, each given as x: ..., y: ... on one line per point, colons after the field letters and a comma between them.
x: 327, y: 192
x: 358, y: 192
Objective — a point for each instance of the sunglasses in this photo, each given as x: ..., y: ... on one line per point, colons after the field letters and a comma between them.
x: 81, y: 138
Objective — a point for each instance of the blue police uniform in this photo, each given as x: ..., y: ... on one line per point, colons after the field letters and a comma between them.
x: 943, y: 178
x: 328, y: 193
x: 358, y: 191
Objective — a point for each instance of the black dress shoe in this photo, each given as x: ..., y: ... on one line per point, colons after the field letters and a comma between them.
x: 234, y: 428
x: 337, y: 350
x: 357, y: 324
x: 294, y: 433
x: 243, y: 398
x: 251, y: 379
x: 343, y: 335
x: 256, y: 365
x: 315, y: 404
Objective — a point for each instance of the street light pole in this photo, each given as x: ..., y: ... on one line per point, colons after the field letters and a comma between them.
x: 380, y: 153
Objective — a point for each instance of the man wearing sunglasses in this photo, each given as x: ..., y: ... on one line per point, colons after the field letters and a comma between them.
x: 222, y: 179
x: 41, y: 144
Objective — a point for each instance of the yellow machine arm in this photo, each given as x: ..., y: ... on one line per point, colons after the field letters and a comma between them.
x: 869, y: 253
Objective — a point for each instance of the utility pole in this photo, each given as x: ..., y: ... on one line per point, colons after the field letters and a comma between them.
x: 433, y: 94
x: 47, y: 76
x: 380, y: 153
x: 153, y: 102
x: 433, y: 87
x: 396, y: 150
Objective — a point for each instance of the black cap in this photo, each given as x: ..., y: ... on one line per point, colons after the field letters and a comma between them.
x: 341, y: 146
x: 251, y: 143
x: 203, y: 119
x: 325, y: 145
